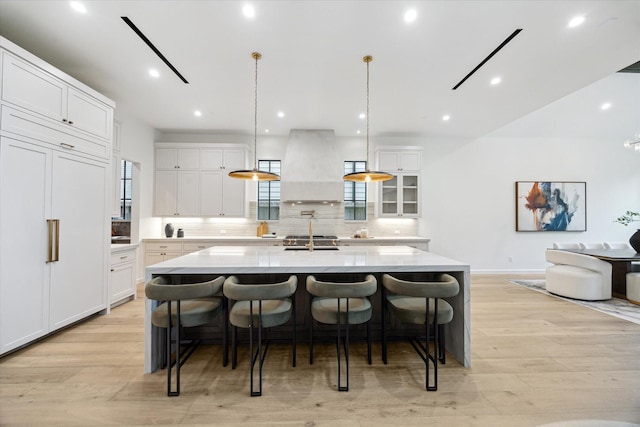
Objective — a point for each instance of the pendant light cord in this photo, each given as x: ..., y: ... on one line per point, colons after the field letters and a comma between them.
x: 256, y: 56
x: 367, y: 59
x: 367, y: 115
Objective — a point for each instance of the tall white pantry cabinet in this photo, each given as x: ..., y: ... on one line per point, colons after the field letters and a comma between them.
x: 55, y: 198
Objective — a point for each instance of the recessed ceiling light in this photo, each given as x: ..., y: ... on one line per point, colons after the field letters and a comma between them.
x: 605, y: 106
x: 280, y: 114
x: 248, y: 11
x: 266, y: 130
x: 362, y: 115
x: 410, y: 15
x: 197, y: 113
x: 495, y: 80
x: 576, y: 21
x: 358, y: 131
x: 78, y: 7
x: 154, y: 73
x: 446, y: 117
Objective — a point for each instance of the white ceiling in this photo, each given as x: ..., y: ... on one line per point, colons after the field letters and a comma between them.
x: 312, y: 67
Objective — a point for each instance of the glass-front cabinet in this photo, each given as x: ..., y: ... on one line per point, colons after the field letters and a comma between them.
x: 400, y: 196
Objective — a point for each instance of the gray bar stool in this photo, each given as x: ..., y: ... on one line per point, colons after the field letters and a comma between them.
x: 341, y: 304
x: 261, y: 306
x: 184, y: 306
x: 409, y: 302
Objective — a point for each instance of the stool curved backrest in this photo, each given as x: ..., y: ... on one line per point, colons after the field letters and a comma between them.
x: 365, y: 288
x: 444, y: 286
x: 245, y: 292
x: 161, y: 289
x: 184, y: 305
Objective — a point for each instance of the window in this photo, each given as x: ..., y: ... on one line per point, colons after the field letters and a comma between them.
x: 269, y: 192
x: 355, y: 193
x: 125, y: 189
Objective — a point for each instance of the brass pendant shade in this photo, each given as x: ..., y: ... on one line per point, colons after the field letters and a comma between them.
x: 255, y: 174
x: 368, y: 175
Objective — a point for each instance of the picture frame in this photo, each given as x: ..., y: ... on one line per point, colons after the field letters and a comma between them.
x: 551, y: 206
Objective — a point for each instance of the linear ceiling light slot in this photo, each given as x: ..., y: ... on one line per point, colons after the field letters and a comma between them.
x: 484, y: 61
x: 153, y: 48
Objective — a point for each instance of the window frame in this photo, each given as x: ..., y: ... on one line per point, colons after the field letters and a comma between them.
x: 272, y: 189
x: 355, y: 189
x: 126, y: 175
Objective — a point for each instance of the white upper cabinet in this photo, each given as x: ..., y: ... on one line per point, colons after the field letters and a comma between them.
x: 223, y: 159
x: 37, y: 91
x: 193, y: 180
x: 399, y: 161
x: 177, y: 158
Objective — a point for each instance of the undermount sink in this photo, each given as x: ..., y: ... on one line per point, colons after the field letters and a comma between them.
x: 315, y: 248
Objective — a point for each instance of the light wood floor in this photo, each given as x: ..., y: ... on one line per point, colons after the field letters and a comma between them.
x: 535, y: 360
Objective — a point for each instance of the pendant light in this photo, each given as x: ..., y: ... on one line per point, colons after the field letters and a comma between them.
x: 367, y: 175
x: 255, y: 174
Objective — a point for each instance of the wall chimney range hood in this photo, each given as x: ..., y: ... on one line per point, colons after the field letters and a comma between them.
x: 312, y: 170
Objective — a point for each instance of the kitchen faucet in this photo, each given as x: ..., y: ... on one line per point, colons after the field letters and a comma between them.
x: 311, y: 215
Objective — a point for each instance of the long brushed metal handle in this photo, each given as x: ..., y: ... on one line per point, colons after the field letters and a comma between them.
x: 53, y: 251
x: 50, y: 242
x: 57, y: 250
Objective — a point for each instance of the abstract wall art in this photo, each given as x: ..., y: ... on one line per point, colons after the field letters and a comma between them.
x: 551, y: 206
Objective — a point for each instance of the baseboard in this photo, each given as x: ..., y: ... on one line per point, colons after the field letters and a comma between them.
x: 488, y: 272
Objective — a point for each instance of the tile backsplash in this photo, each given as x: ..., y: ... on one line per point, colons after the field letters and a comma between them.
x: 328, y: 219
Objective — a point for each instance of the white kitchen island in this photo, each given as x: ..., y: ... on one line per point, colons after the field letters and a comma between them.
x: 261, y: 260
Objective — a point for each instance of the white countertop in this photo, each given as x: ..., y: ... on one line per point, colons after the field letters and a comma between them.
x: 120, y: 247
x: 275, y: 259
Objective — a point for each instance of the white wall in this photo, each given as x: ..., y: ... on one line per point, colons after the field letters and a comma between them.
x: 469, y: 211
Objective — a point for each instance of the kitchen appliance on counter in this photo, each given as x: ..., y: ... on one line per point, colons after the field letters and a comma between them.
x: 301, y: 242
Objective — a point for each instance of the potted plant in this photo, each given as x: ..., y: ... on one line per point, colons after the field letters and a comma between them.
x: 625, y: 220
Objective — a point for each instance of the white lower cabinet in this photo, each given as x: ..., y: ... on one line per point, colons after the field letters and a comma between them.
x: 54, y: 246
x: 188, y: 248
x: 122, y: 275
x: 158, y: 252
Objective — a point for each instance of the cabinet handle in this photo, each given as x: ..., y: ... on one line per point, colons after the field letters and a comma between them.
x: 64, y: 120
x: 53, y: 252
x: 70, y: 122
x: 163, y: 247
x: 112, y: 270
x: 124, y: 257
x: 65, y: 145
